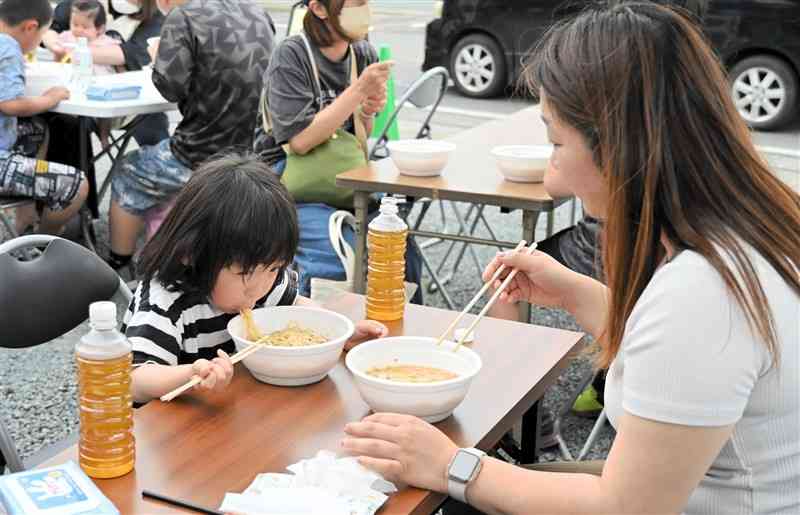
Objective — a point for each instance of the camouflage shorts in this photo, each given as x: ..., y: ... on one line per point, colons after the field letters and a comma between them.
x: 147, y: 178
x: 52, y: 184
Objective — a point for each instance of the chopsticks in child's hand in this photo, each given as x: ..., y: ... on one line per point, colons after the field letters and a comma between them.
x: 492, y: 300
x: 477, y: 297
x: 194, y: 381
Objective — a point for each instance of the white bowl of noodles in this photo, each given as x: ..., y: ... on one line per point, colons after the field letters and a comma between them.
x: 412, y: 375
x: 284, y: 360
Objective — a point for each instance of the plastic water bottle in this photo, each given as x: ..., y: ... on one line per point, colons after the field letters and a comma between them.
x: 107, y: 447
x: 386, y: 241
x: 82, y: 65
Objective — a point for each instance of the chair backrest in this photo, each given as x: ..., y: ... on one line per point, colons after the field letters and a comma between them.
x: 47, y: 296
x: 426, y: 92
x: 295, y: 25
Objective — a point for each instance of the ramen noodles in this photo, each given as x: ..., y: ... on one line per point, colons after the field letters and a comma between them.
x: 293, y: 336
x: 411, y: 373
x: 251, y: 331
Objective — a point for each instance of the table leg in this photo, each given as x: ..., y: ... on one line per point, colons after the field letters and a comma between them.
x: 361, y: 201
x: 84, y: 140
x: 529, y: 219
x: 531, y: 425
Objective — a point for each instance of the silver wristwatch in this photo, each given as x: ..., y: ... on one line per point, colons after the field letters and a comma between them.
x: 463, y: 469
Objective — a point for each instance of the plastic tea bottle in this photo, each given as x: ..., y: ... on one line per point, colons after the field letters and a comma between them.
x: 386, y: 241
x: 82, y: 65
x: 107, y: 447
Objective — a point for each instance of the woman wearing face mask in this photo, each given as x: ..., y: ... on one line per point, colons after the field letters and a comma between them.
x: 132, y: 22
x: 303, y: 117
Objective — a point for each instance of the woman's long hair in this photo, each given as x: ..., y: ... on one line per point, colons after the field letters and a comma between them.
x: 645, y: 89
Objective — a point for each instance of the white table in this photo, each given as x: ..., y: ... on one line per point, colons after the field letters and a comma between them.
x: 149, y: 101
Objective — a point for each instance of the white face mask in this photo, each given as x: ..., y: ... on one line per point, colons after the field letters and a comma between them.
x: 125, y: 7
x: 355, y: 21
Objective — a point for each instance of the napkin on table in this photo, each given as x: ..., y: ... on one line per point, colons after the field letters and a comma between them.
x: 323, y: 485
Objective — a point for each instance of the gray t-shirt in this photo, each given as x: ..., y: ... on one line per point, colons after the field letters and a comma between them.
x: 292, y: 93
x: 689, y: 357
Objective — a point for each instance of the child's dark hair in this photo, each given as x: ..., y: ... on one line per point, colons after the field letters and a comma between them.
x: 14, y: 12
x: 93, y: 9
x: 234, y: 210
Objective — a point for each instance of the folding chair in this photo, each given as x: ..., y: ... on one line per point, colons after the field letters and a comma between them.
x: 65, y: 272
x: 296, y: 15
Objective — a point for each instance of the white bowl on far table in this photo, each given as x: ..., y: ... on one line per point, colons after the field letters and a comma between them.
x: 522, y: 163
x: 430, y: 401
x: 420, y: 157
x: 294, y: 366
x: 41, y: 76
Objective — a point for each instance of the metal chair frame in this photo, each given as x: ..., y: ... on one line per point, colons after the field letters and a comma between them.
x: 8, y: 452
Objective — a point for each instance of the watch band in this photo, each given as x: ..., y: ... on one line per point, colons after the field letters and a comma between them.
x: 458, y: 489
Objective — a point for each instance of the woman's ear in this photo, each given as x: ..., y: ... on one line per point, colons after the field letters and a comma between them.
x: 319, y: 10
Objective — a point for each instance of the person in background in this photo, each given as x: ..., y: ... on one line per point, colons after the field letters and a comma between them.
x: 132, y: 23
x: 59, y: 190
x: 698, y: 323
x: 303, y: 119
x: 210, y: 60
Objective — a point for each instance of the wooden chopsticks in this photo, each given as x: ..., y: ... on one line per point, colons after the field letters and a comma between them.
x: 477, y: 297
x: 530, y: 250
x: 236, y: 358
x: 253, y: 334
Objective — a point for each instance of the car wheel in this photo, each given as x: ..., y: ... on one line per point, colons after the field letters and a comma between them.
x: 764, y: 90
x: 478, y: 66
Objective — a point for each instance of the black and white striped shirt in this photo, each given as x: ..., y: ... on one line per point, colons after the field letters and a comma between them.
x: 176, y: 328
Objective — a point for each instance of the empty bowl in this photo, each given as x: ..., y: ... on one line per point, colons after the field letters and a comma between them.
x: 420, y: 157
x: 522, y: 163
x: 431, y: 401
x: 294, y: 366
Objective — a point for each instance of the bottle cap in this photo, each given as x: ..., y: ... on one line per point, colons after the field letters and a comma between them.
x: 389, y: 206
x: 83, y: 42
x: 103, y: 315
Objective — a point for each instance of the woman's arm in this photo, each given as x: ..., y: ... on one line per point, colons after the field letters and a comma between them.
x: 327, y: 121
x: 109, y: 55
x: 653, y: 467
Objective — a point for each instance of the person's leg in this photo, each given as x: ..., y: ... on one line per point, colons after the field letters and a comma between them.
x: 146, y: 178
x: 61, y: 188
x: 153, y: 129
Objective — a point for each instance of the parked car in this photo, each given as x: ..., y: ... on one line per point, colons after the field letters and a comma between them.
x: 483, y: 43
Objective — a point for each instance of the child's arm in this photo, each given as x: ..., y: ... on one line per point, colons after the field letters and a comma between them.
x: 29, y: 106
x: 152, y: 380
x: 364, y: 330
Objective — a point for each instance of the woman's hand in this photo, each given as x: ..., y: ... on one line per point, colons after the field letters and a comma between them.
x: 541, y: 279
x: 402, y: 448
x: 215, y: 374
x: 374, y: 104
x: 372, y: 81
x: 366, y: 330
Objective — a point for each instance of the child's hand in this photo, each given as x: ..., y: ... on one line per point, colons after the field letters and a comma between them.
x: 366, y: 330
x: 216, y: 374
x: 57, y: 94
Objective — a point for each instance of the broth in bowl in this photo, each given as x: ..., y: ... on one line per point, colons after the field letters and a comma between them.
x: 411, y: 373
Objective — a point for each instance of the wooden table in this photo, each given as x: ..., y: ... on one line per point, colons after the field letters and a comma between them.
x: 471, y: 175
x: 199, y: 447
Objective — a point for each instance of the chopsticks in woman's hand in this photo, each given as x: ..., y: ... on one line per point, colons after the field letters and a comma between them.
x: 492, y: 300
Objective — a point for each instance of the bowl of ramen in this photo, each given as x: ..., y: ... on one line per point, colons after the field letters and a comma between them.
x: 420, y: 157
x: 522, y: 163
x: 412, y: 375
x: 298, y: 345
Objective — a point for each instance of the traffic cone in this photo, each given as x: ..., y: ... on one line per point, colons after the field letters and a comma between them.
x: 382, y: 119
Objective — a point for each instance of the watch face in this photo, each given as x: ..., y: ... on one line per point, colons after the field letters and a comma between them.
x: 463, y: 466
